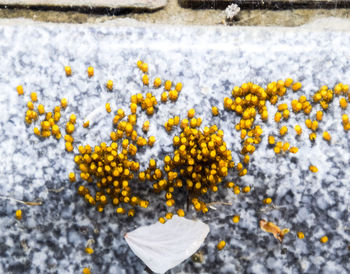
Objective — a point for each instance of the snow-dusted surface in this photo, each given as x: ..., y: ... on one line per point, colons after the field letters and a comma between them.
x: 209, y: 61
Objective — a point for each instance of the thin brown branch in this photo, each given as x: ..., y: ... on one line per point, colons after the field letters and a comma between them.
x: 22, y: 202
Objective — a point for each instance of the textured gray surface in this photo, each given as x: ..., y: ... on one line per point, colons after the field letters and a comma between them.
x: 209, y: 61
x: 271, y: 4
x: 114, y: 4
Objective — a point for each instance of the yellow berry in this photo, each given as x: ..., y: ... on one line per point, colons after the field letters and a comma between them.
x: 319, y: 115
x: 313, y: 168
x: 30, y: 105
x: 285, y: 114
x: 45, y: 125
x: 109, y: 84
x: 324, y: 239
x: 326, y: 136
x: 169, y: 215
x: 86, y: 124
x: 345, y: 119
x: 246, y: 159
x: 161, y: 220
x: 86, y: 270
x: 288, y: 82
x: 90, y: 71
x: 151, y: 140
x: 55, y: 129
x: 70, y: 128
x: 221, y: 245
x: 71, y: 177
x: 64, y: 102
x: 296, y: 86
x: 314, y: 125
x: 178, y: 87
x: 157, y: 82
x: 180, y: 212
x: 36, y: 131
x: 215, y: 111
x: 145, y: 79
x: 18, y: 214
x: 271, y: 140
x: 236, y: 190
x: 57, y: 116
x: 235, y: 219
x: 278, y: 117
x: 33, y: 97
x: 72, y: 118
x: 150, y: 111
x: 131, y: 212
x: 283, y: 130
x: 191, y: 113
x: 285, y: 147
x: 108, y: 107
x: 69, y: 146
x: 164, y: 96
x: 308, y: 123
x: 68, y: 70
x: 173, y: 95
x: 41, y: 109
x: 312, y: 136
x: 282, y: 107
x: 267, y: 201
x: 298, y: 129
x: 300, y: 235
x: 293, y: 150
x: 89, y: 250
x: 343, y: 103
x: 264, y: 115
x: 144, y: 67
x: 20, y: 90
x: 120, y: 210
x: 246, y: 189
x: 145, y: 126
x: 167, y: 85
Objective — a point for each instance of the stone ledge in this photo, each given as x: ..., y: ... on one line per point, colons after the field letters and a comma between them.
x: 113, y: 4
x: 269, y: 4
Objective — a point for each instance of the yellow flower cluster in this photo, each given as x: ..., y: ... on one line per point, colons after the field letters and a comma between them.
x: 323, y: 96
x: 171, y: 123
x: 48, y: 126
x: 111, y: 171
x: 281, y: 147
x: 249, y: 100
x: 172, y: 94
x: 148, y: 103
x: 200, y: 162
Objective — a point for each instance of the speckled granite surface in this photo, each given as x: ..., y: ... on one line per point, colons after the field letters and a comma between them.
x: 209, y: 61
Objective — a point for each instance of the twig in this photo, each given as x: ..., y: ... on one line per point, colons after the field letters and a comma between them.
x: 211, y: 205
x: 55, y: 190
x: 22, y: 202
x: 271, y: 208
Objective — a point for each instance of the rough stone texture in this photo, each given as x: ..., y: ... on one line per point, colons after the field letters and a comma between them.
x: 271, y: 4
x: 114, y: 4
x: 209, y: 61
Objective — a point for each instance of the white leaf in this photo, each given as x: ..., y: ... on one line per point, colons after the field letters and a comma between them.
x: 163, y: 246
